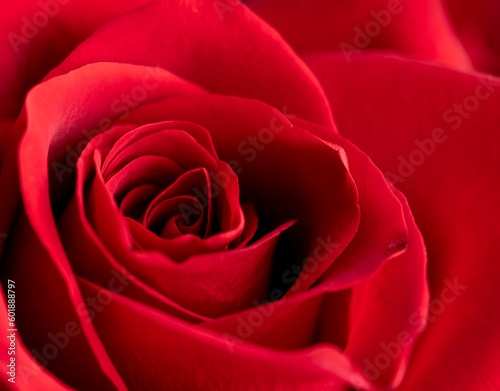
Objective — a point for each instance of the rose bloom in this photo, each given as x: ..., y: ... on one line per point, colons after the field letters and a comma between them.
x: 281, y: 195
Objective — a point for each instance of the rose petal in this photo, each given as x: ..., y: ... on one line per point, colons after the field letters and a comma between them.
x: 251, y: 225
x: 237, y: 278
x: 37, y: 36
x: 187, y: 144
x: 417, y: 29
x: 114, y: 230
x: 64, y: 331
x: 453, y: 193
x: 138, y: 199
x: 197, y: 178
x: 385, y: 312
x: 34, y: 150
x: 214, y: 57
x: 477, y: 27
x: 279, y: 169
x: 158, y: 171
x: 90, y: 259
x: 190, y: 348
x: 242, y: 275
x: 382, y: 232
x: 322, y: 315
x: 71, y: 133
x: 284, y: 324
x: 176, y: 225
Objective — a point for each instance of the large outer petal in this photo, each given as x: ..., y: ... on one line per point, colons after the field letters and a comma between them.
x: 50, y: 316
x: 175, y: 355
x: 418, y: 29
x: 476, y: 23
x: 34, y: 172
x: 388, y: 106
x: 189, y: 38
x: 38, y: 35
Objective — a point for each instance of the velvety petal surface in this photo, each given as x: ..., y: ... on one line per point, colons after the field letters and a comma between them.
x: 418, y: 29
x: 38, y: 35
x: 192, y: 350
x: 434, y: 134
x: 387, y: 313
x: 192, y: 40
x: 64, y: 331
x: 476, y: 24
x: 382, y: 232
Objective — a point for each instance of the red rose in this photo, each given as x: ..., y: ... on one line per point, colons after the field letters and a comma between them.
x: 181, y: 210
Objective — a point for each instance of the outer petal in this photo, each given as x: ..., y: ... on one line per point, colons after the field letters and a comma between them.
x: 476, y: 23
x: 198, y: 359
x: 382, y: 232
x: 418, y: 29
x: 38, y: 35
x: 189, y: 38
x: 450, y: 177
x: 386, y: 312
x: 48, y: 128
x: 63, y: 332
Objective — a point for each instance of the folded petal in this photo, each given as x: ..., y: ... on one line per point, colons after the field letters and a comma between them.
x: 386, y: 313
x: 382, y: 232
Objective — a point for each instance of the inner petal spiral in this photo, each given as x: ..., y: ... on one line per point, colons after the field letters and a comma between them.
x: 173, y: 192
